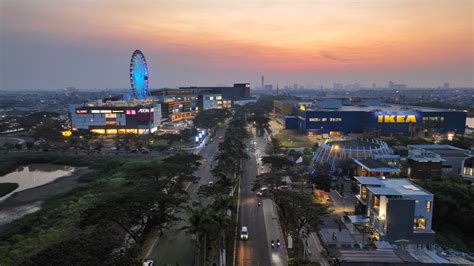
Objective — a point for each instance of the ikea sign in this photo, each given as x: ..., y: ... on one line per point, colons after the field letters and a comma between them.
x: 396, y: 118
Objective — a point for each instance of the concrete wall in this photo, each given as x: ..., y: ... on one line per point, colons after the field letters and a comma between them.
x: 400, y: 216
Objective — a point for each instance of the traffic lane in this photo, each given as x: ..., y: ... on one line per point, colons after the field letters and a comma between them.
x: 254, y: 250
x: 175, y: 246
x: 204, y: 172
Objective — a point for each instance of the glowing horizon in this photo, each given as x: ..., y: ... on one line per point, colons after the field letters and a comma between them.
x: 344, y: 39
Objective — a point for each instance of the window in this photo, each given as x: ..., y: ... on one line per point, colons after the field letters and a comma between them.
x: 428, y: 206
x: 376, y: 202
x: 420, y: 223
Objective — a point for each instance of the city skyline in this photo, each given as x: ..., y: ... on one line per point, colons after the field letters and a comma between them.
x: 48, y: 45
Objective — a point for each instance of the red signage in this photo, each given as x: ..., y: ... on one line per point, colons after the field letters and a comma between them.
x: 81, y: 111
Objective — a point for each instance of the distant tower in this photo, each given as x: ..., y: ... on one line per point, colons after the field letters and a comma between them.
x: 263, y: 82
x: 446, y: 85
x: 278, y: 90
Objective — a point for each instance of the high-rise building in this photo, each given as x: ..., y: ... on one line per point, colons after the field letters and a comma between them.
x: 263, y: 82
x: 446, y: 85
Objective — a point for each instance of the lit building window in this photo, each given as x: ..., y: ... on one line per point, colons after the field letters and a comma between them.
x: 428, y: 206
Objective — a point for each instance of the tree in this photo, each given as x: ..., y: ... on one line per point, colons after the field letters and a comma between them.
x: 261, y: 122
x: 201, y: 224
x: 29, y: 145
x: 94, y: 248
x: 274, y: 146
x: 300, y: 212
x: 277, y: 162
x: 211, y: 119
x: 346, y: 166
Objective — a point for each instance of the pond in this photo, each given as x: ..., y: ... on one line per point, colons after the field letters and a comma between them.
x: 35, y: 175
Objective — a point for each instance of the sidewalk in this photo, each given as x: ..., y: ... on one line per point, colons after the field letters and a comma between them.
x: 278, y: 256
x: 316, y: 250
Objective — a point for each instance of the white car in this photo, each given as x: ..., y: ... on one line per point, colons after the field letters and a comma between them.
x: 148, y: 263
x: 244, y: 233
x: 261, y: 191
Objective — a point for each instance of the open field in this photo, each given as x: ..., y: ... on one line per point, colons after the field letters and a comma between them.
x: 293, y: 139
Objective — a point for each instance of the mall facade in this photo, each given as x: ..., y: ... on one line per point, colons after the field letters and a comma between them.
x: 116, y: 118
x: 338, y: 119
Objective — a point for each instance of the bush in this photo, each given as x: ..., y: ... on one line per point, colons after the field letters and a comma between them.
x: 6, y: 188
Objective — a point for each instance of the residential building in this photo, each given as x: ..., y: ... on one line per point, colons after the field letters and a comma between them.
x: 399, y: 211
x: 373, y: 167
x: 452, y: 156
x: 424, y: 164
x: 468, y: 168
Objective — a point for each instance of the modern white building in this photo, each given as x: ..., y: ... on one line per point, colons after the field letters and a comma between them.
x: 399, y: 211
x: 213, y: 101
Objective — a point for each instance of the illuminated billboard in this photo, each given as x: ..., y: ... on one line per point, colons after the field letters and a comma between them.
x: 397, y: 118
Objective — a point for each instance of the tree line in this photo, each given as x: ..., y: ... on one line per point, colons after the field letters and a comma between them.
x: 211, y: 223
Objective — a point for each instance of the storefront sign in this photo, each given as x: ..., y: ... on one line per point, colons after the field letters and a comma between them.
x: 396, y: 118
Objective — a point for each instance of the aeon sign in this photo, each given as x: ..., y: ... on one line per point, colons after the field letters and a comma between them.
x: 398, y: 118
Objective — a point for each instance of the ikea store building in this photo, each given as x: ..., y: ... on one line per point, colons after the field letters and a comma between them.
x: 332, y: 117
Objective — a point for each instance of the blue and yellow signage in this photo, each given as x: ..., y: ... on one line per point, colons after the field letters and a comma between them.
x: 396, y: 118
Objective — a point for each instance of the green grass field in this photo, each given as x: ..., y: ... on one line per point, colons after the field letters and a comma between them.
x: 293, y: 139
x: 6, y: 188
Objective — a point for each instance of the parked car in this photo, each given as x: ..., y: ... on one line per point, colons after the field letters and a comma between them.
x: 148, y: 263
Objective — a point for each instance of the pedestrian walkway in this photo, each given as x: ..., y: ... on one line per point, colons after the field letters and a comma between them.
x: 316, y: 250
x: 278, y: 255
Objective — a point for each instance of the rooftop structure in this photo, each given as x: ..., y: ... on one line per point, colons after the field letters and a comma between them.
x: 372, y: 167
x: 451, y: 157
x: 333, y: 151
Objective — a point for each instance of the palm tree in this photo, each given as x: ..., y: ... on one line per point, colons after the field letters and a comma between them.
x: 200, y: 224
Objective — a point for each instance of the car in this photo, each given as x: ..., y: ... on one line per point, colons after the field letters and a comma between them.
x: 261, y: 191
x: 210, y: 184
x: 244, y: 233
x: 148, y: 263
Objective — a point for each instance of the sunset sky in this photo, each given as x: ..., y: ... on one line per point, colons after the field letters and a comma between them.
x: 88, y: 43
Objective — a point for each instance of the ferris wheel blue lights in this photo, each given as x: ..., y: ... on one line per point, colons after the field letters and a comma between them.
x: 139, y: 75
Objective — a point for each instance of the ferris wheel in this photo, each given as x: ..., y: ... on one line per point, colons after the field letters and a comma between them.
x: 139, y: 75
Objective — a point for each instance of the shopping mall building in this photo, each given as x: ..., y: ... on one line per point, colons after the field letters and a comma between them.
x: 330, y: 116
x: 119, y: 117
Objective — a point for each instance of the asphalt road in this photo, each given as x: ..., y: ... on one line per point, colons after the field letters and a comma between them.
x: 175, y: 247
x: 253, y: 251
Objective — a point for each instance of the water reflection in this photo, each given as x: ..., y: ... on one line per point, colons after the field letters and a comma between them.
x: 35, y: 175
